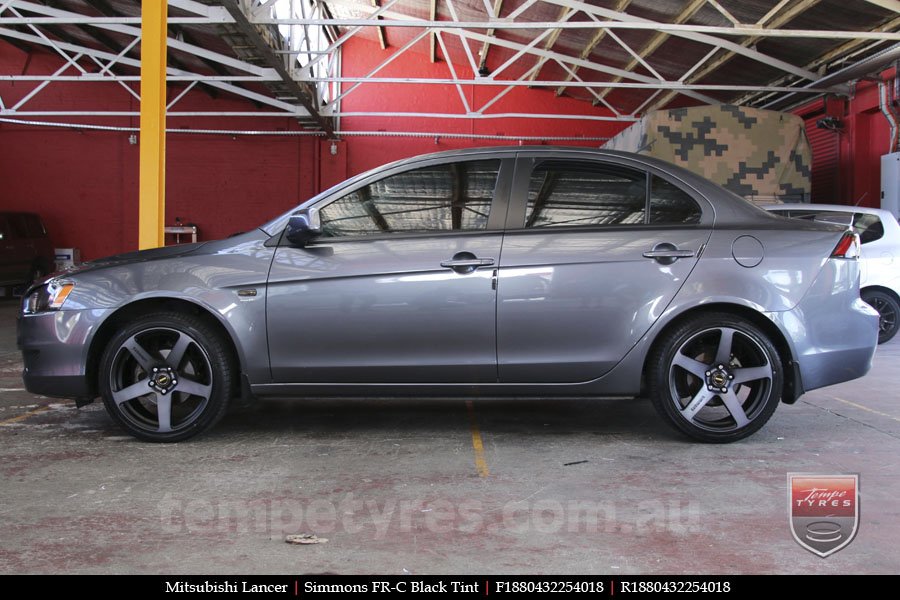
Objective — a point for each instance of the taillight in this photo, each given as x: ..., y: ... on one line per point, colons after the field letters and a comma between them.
x: 847, y: 247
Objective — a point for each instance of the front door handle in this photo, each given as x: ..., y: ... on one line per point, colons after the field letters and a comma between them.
x: 466, y: 262
x: 666, y: 253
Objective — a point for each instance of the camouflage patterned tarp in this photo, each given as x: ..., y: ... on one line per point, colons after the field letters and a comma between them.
x: 761, y: 155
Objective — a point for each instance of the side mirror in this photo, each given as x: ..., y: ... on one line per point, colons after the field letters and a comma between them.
x: 303, y: 226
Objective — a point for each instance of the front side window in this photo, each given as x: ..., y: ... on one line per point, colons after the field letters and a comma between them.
x: 18, y: 226
x: 564, y: 194
x: 439, y: 198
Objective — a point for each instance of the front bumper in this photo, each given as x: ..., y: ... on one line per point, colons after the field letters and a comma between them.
x: 55, y: 349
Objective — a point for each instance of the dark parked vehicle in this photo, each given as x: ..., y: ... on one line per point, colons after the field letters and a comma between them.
x: 496, y: 272
x: 26, y: 252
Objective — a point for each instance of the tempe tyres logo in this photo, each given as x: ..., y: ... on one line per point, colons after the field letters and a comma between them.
x: 824, y: 511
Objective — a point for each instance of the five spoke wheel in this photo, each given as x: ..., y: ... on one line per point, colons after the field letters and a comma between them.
x: 166, y: 377
x: 716, y: 377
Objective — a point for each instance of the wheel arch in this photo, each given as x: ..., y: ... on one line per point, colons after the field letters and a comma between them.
x: 793, y: 387
x: 107, y: 329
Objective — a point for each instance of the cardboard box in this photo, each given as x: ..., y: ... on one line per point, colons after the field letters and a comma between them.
x: 67, y: 257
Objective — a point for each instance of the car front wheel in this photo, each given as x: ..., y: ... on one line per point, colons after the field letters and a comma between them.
x: 166, y: 377
x: 888, y: 310
x: 716, y: 377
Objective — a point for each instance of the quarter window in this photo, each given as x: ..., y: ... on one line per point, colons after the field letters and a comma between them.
x: 448, y: 197
x: 670, y: 205
x: 571, y: 194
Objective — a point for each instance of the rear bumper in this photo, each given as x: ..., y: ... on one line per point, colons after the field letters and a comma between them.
x: 54, y: 349
x: 833, y: 335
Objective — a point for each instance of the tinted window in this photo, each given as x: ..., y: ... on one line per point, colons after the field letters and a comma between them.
x: 567, y: 194
x: 450, y: 197
x: 670, y: 205
x: 869, y: 227
x: 34, y: 227
x: 17, y: 225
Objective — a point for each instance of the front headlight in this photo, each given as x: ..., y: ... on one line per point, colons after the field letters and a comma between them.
x: 50, y: 296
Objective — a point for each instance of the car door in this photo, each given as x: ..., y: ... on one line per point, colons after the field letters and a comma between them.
x: 400, y: 287
x: 593, y: 254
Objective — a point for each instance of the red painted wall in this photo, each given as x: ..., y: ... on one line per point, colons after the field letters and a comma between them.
x: 84, y: 183
x: 864, y: 138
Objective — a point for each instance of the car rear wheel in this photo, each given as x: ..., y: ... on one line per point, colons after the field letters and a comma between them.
x: 888, y: 310
x: 716, y: 377
x: 166, y: 377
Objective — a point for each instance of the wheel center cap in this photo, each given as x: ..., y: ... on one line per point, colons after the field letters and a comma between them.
x: 718, y: 379
x: 162, y: 380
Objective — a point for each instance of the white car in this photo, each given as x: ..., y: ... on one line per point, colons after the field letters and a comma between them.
x: 879, y: 233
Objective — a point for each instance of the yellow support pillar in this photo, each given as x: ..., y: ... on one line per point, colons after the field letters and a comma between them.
x: 152, y: 204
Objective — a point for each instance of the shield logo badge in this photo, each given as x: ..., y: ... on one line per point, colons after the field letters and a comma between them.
x: 824, y: 511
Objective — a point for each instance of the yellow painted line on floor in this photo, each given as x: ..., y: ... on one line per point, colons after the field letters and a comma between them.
x: 867, y: 409
x: 24, y: 416
x: 477, y: 444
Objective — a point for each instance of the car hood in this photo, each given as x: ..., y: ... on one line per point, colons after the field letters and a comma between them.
x: 128, y: 258
x: 166, y: 252
x: 145, y: 255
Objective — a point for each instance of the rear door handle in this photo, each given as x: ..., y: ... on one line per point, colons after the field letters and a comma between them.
x: 666, y: 253
x: 466, y: 262
x: 474, y: 262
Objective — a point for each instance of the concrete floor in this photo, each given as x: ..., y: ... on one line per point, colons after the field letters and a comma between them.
x: 398, y: 486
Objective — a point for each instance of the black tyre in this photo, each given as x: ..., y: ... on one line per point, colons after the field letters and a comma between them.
x: 888, y: 310
x: 166, y: 377
x: 715, y: 377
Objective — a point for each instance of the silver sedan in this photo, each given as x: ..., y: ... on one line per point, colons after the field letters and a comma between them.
x: 490, y: 272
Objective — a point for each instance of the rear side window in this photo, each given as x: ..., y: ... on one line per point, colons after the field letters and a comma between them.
x: 439, y: 198
x: 565, y: 194
x: 869, y: 227
x: 670, y: 205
